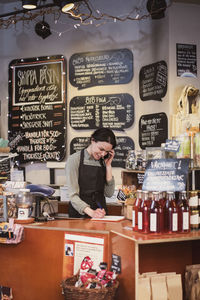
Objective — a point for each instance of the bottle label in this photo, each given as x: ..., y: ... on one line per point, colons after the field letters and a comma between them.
x: 194, y: 219
x: 185, y: 220
x: 193, y: 201
x: 174, y: 222
x: 133, y: 218
x: 153, y: 222
x: 140, y: 220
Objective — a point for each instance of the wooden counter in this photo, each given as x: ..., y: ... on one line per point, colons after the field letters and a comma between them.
x: 34, y: 267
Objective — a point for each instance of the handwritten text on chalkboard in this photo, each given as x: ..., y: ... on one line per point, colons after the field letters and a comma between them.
x: 37, y: 114
x: 166, y: 175
x: 186, y: 56
x: 101, y: 68
x: 4, y: 168
x: 124, y: 144
x: 115, y: 111
x: 153, y: 130
x: 153, y: 81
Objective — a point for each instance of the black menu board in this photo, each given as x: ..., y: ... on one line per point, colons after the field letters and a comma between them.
x: 124, y: 144
x: 166, y: 175
x: 115, y: 111
x: 186, y: 60
x: 153, y: 130
x: 37, y: 109
x: 4, y: 168
x: 101, y: 68
x: 153, y: 81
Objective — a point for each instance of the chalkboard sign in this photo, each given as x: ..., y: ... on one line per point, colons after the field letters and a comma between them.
x: 101, y: 68
x: 153, y: 130
x: 116, y: 264
x: 4, y: 168
x: 124, y: 144
x: 172, y: 145
x: 166, y: 175
x: 114, y: 111
x: 186, y: 60
x: 153, y: 81
x: 37, y: 109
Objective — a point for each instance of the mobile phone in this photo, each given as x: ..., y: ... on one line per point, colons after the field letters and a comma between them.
x: 107, y: 156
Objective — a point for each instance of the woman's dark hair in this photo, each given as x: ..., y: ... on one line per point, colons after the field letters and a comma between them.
x: 104, y: 135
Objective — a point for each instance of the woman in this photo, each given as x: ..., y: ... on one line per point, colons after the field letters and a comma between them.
x: 89, y: 176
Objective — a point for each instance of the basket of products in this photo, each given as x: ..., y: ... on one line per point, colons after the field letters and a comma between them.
x: 91, y: 284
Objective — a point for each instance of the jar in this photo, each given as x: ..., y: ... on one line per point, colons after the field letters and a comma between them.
x: 131, y: 160
x: 24, y: 198
x: 194, y: 218
x: 193, y: 199
x: 139, y: 160
x: 196, y: 150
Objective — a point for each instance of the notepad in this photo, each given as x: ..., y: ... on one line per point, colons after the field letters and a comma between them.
x: 109, y: 219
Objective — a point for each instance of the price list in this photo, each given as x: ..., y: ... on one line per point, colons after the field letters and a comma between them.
x: 115, y: 111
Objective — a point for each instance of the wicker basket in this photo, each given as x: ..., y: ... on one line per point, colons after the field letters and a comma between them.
x: 77, y: 293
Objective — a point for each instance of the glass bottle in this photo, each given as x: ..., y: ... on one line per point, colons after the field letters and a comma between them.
x: 131, y: 160
x: 162, y: 199
x: 143, y: 213
x: 194, y: 210
x: 139, y: 160
x: 135, y: 210
x: 170, y: 214
x: 183, y: 213
x: 156, y: 215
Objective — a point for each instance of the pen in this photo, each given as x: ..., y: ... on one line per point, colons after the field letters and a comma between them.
x: 99, y: 205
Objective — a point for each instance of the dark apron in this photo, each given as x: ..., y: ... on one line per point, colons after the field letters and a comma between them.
x: 91, y: 186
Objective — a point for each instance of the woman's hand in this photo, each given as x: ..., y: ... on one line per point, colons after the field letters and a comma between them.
x: 97, y: 213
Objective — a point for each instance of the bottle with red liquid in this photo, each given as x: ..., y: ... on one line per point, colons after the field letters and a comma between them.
x: 162, y: 199
x: 143, y: 213
x: 135, y: 210
x: 183, y: 213
x: 156, y: 215
x: 170, y: 214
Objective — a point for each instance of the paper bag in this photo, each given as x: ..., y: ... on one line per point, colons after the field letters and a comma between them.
x: 158, y: 287
x: 144, y: 289
x: 174, y: 287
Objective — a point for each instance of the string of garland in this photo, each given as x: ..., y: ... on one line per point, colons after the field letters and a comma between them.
x: 83, y: 12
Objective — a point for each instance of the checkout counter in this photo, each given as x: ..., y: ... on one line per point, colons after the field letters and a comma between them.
x: 35, y: 268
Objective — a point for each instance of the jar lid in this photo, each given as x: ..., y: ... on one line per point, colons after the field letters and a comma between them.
x: 24, y: 190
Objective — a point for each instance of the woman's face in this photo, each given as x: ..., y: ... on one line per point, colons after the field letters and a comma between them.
x: 100, y: 149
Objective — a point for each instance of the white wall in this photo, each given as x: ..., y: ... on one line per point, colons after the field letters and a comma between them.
x: 149, y: 40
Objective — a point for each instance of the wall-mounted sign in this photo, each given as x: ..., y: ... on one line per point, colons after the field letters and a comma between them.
x: 37, y: 108
x: 153, y: 81
x: 114, y: 111
x: 101, y: 68
x: 166, y: 175
x: 4, y: 168
x: 124, y: 144
x: 186, y: 60
x: 153, y: 130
